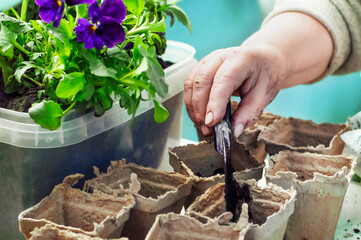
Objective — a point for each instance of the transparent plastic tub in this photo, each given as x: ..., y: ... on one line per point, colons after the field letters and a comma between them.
x: 33, y: 160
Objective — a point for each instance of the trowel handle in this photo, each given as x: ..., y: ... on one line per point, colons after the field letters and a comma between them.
x: 223, y: 132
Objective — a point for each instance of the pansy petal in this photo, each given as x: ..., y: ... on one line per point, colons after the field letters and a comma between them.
x: 76, y: 2
x: 49, y: 3
x: 59, y: 15
x: 50, y: 12
x: 114, y: 9
x: 83, y: 30
x: 94, y: 12
x: 111, y: 32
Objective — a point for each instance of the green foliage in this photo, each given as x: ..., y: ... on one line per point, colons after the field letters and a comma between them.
x: 34, y: 54
x: 47, y: 113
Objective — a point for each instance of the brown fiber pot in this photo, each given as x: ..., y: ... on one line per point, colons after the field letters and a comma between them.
x: 249, y: 137
x: 271, y: 209
x: 321, y: 182
x: 303, y: 136
x: 183, y: 227
x: 69, y: 209
x: 48, y: 232
x: 157, y: 192
x: 205, y: 165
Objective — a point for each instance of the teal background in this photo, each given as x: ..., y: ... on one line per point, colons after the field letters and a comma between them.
x: 225, y: 23
x: 8, y: 3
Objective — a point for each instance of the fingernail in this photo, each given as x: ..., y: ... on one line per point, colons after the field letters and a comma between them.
x: 238, y: 130
x: 209, y: 118
x: 205, y: 130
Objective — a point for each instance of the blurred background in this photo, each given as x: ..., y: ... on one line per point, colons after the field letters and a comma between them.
x: 221, y: 24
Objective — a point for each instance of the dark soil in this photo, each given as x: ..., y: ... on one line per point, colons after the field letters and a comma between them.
x: 164, y: 64
x: 18, y: 102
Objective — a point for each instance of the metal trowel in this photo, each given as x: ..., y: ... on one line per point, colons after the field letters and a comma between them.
x: 235, y: 194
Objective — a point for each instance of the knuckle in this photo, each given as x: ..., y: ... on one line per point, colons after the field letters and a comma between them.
x: 201, y: 81
x: 188, y: 83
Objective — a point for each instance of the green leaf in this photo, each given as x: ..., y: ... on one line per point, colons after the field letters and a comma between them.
x: 143, y: 66
x: 180, y: 15
x: 160, y: 113
x: 102, y: 95
x: 86, y: 93
x: 70, y: 85
x: 6, y: 38
x: 155, y: 74
x: 7, y: 71
x: 63, y: 31
x: 22, y: 69
x: 15, y: 25
x: 135, y: 6
x: 97, y: 67
x: 47, y: 114
x: 118, y: 53
x: 82, y: 10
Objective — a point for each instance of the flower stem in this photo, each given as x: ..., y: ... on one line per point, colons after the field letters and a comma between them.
x: 69, y: 108
x: 21, y: 48
x: 24, y: 9
x: 15, y: 13
x: 34, y: 81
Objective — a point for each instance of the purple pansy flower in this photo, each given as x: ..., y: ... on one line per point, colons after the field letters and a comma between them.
x: 52, y: 10
x: 106, y: 25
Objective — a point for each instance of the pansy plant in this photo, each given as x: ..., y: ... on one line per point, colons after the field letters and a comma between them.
x: 84, y: 54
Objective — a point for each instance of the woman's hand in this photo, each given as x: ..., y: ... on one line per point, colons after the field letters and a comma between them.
x: 292, y: 48
x: 254, y: 72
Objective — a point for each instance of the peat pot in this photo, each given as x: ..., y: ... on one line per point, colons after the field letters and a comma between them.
x: 303, y: 136
x: 157, y: 192
x: 48, y: 231
x: 271, y: 208
x: 205, y: 165
x: 33, y: 160
x: 73, y: 211
x: 321, y: 182
x: 173, y: 226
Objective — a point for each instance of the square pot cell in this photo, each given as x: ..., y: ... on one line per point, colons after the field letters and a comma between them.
x: 203, y: 163
x: 159, y: 192
x: 271, y: 208
x: 321, y: 182
x: 48, y: 231
x: 183, y: 227
x: 302, y: 136
x: 66, y: 208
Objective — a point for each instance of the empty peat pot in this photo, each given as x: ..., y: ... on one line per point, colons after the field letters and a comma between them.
x: 352, y: 141
x: 249, y: 137
x: 271, y: 208
x: 159, y: 192
x: 183, y: 227
x: 70, y: 209
x: 303, y: 136
x: 205, y: 165
x: 321, y: 182
x: 48, y: 232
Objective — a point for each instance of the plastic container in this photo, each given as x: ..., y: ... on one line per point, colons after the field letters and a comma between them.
x: 321, y: 182
x: 33, y: 160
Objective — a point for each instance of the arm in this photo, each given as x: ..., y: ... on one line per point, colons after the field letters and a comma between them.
x: 292, y: 48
